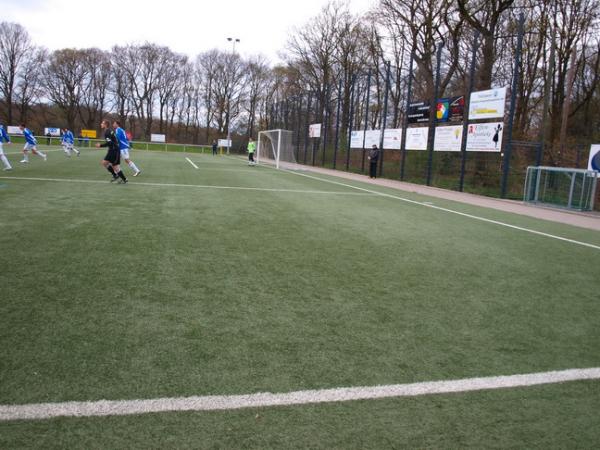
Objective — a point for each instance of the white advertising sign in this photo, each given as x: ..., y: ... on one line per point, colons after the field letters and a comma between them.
x: 416, y: 138
x: 224, y: 143
x: 11, y: 129
x: 356, y: 139
x: 594, y: 161
x: 392, y: 138
x: 448, y: 139
x: 158, y: 138
x: 372, y: 137
x: 51, y: 131
x: 314, y: 130
x: 485, y: 137
x: 487, y: 104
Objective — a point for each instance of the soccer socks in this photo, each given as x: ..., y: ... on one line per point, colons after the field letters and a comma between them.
x: 112, y: 171
x: 7, y: 165
x: 42, y: 154
x: 25, y: 158
x: 133, y: 166
x: 122, y: 176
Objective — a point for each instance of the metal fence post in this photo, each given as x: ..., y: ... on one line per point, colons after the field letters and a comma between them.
x: 465, y: 129
x: 433, y: 115
x: 405, y: 121
x: 351, y: 119
x: 513, y: 101
x: 337, y: 124
x: 384, y: 113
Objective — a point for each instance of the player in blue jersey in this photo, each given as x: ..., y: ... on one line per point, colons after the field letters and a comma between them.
x: 124, y: 146
x: 30, y: 144
x: 67, y: 142
x: 4, y: 138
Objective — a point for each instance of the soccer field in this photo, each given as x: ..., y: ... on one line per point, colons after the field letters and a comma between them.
x: 230, y: 280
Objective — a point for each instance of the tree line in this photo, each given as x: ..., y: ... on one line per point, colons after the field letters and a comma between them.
x: 154, y: 89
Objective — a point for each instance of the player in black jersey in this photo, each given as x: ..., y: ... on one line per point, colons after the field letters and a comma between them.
x: 113, y: 156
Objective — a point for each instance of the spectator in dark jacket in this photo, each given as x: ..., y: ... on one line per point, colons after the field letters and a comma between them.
x: 373, y: 159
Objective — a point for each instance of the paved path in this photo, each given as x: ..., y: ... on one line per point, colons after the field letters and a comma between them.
x: 589, y: 220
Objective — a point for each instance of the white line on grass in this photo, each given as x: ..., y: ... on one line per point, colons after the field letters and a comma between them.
x: 190, y: 161
x: 439, y: 208
x: 266, y: 399
x: 198, y: 186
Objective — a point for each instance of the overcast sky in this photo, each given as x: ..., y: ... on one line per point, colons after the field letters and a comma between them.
x: 185, y: 26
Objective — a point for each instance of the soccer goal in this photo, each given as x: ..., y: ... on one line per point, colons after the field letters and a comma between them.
x: 275, y: 147
x: 561, y: 187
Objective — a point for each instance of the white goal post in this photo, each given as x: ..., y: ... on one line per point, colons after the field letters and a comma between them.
x: 275, y: 147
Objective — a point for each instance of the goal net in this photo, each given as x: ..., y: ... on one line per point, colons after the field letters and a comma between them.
x: 561, y: 187
x: 276, y: 147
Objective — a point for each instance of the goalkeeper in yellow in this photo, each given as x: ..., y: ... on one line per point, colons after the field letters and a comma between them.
x: 251, y: 150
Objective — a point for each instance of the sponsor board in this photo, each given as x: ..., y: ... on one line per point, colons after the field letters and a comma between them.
x: 594, y: 160
x: 416, y: 138
x: 487, y: 104
x: 314, y: 130
x: 485, y: 137
x: 448, y: 139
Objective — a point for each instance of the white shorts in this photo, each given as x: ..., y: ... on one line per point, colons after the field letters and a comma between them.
x: 125, y: 153
x: 67, y: 145
x: 1, y: 151
x: 29, y: 146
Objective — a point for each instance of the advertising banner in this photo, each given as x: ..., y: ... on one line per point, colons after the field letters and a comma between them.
x: 392, y: 138
x: 372, y: 137
x: 356, y: 139
x: 52, y: 131
x: 418, y: 112
x: 88, y: 134
x: 485, y: 137
x: 158, y: 138
x: 314, y: 130
x: 448, y: 139
x: 451, y: 109
x: 487, y: 104
x: 594, y: 161
x: 416, y: 138
x: 12, y: 129
x: 224, y: 143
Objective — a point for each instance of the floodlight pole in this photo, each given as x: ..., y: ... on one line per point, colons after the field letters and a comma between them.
x: 233, y: 41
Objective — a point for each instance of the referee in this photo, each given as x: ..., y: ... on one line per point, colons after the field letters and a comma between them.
x: 113, y: 156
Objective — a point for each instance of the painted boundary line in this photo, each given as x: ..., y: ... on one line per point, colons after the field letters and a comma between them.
x: 43, y: 411
x: 439, y: 208
x: 191, y: 162
x: 198, y: 186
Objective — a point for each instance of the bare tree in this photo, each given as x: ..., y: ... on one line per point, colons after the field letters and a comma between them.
x: 64, y: 82
x: 29, y: 87
x: 96, y: 86
x: 484, y: 16
x: 15, y: 46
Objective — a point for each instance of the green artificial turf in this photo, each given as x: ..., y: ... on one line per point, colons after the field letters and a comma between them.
x: 145, y: 291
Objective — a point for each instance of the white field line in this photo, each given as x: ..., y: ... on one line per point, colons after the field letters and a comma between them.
x: 198, y: 186
x: 45, y: 150
x: 191, y: 162
x: 42, y: 411
x: 439, y: 208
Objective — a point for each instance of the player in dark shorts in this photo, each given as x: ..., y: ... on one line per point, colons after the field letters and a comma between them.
x: 113, y: 156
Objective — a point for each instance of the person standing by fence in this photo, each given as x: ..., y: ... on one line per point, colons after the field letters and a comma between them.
x: 373, y: 159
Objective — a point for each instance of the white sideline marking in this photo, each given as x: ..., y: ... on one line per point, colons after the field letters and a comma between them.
x: 199, y: 186
x: 439, y: 208
x: 266, y: 399
x: 190, y: 161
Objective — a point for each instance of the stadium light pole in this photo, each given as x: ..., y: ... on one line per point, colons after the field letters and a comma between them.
x: 233, y: 42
